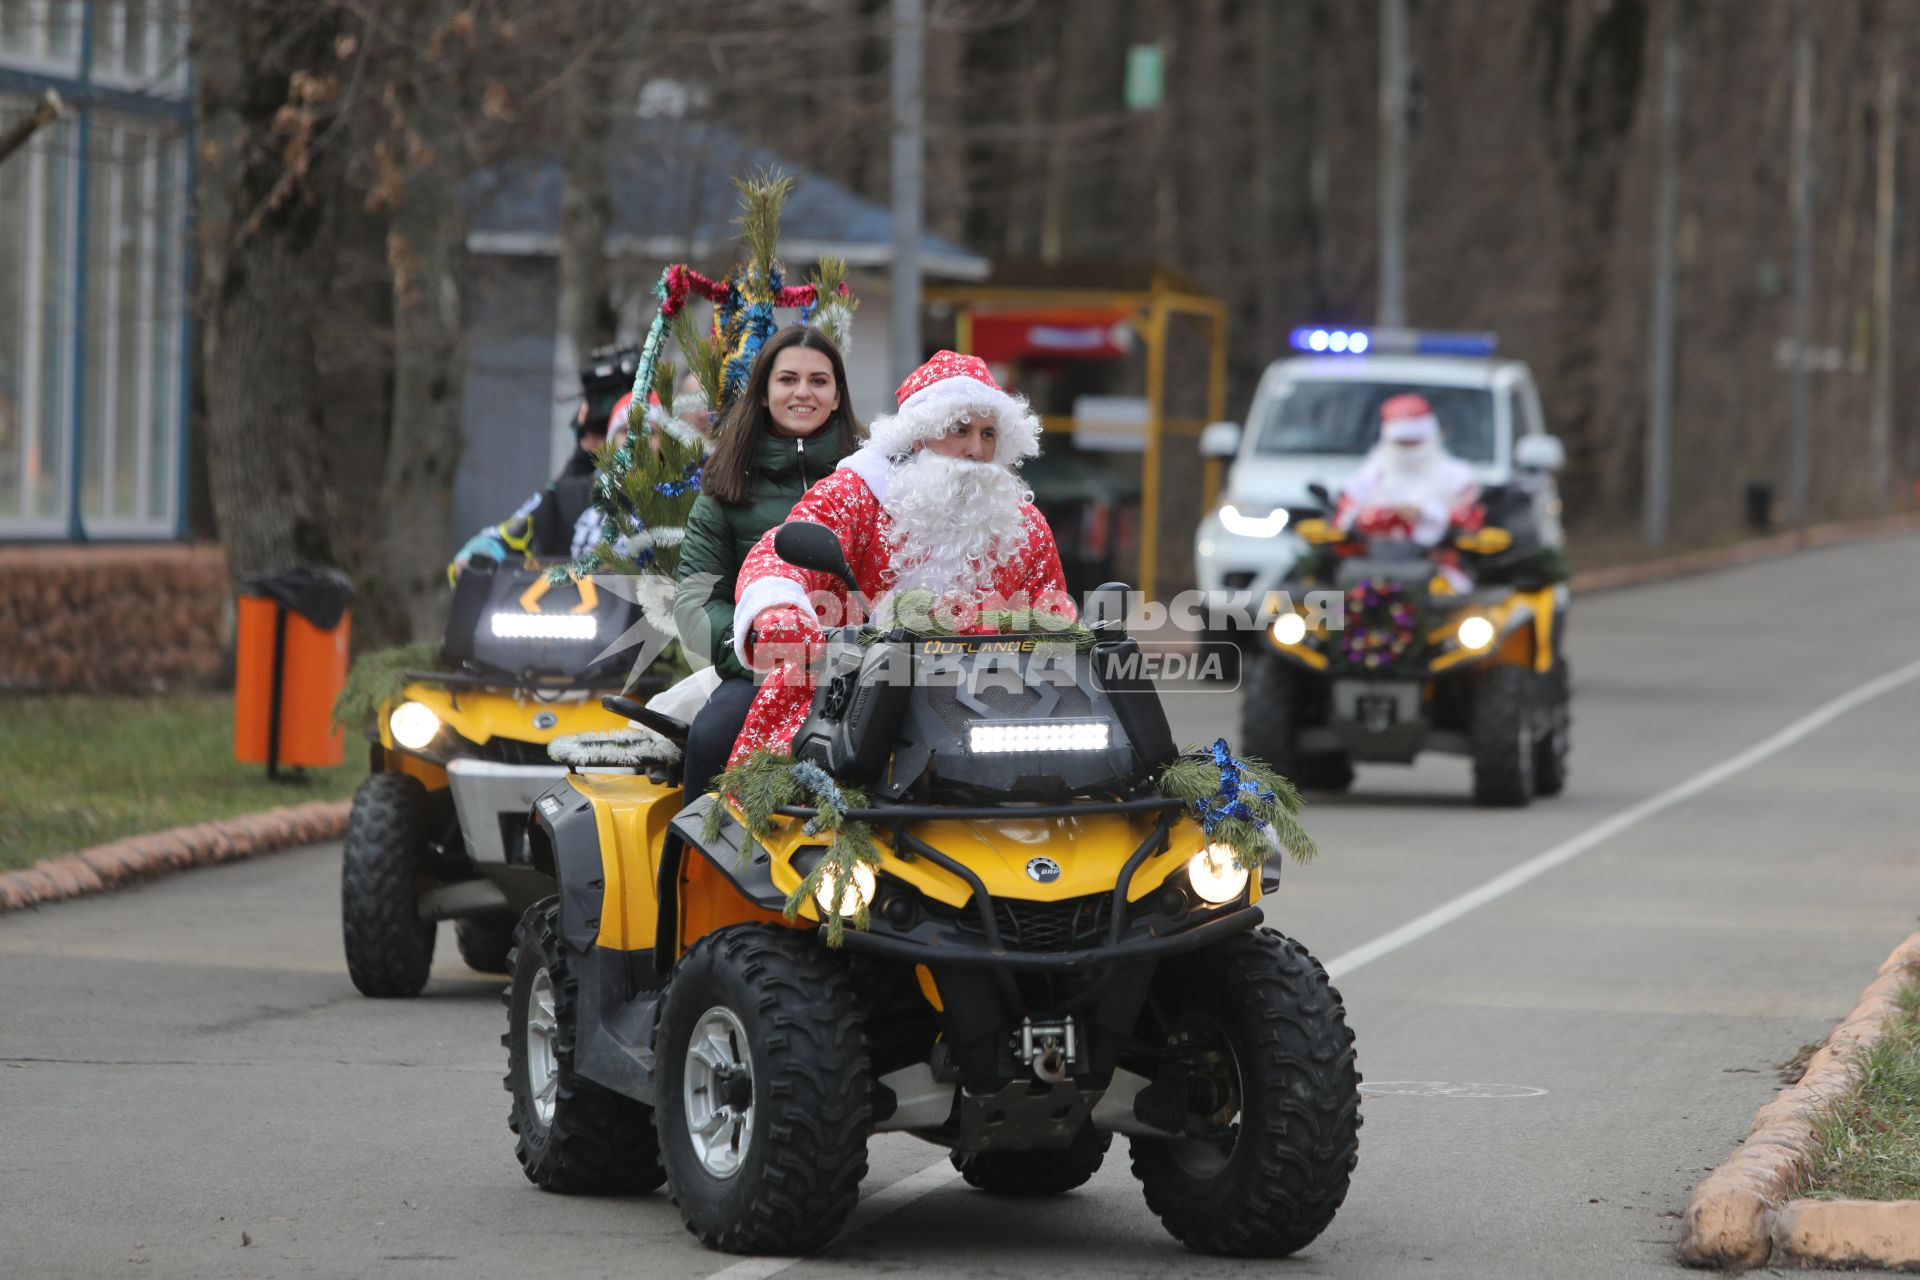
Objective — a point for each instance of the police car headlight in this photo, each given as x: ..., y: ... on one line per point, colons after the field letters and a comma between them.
x: 859, y: 892
x: 1234, y: 520
x: 413, y: 725
x: 1217, y: 875
x: 1475, y: 632
x: 1289, y: 628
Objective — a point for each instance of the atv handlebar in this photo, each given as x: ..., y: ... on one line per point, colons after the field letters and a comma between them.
x: 674, y: 731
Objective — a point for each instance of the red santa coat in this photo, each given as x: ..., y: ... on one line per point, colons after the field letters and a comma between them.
x: 850, y: 502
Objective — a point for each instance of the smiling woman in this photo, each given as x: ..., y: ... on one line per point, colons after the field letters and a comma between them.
x: 788, y: 429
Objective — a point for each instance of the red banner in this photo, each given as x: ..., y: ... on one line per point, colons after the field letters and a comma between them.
x: 1100, y: 333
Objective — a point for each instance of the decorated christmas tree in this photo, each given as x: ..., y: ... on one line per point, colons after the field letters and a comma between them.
x: 647, y: 483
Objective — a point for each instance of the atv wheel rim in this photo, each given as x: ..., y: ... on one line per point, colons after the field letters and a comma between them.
x: 1211, y: 1139
x: 543, y: 1065
x: 717, y: 1092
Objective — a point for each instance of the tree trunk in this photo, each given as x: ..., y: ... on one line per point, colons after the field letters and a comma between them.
x: 586, y: 212
x: 427, y: 250
x: 264, y: 268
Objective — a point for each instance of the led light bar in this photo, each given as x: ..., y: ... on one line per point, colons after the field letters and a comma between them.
x: 1425, y: 342
x: 1006, y: 736
x: 544, y: 626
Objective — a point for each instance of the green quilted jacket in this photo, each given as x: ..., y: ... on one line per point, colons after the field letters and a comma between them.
x: 719, y: 535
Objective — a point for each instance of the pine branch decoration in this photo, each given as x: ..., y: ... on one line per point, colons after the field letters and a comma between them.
x: 762, y: 784
x: 834, y: 303
x: 919, y: 610
x: 764, y: 195
x: 706, y: 356
x: 1235, y: 800
x: 666, y: 376
x: 379, y: 678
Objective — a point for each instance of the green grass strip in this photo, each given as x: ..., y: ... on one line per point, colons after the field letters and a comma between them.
x: 79, y: 770
x: 1870, y: 1144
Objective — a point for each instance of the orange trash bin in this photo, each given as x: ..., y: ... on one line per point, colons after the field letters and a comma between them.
x: 290, y: 663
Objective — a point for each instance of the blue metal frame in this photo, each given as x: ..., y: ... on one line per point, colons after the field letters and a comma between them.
x: 83, y: 97
x: 81, y: 94
x: 83, y: 195
x: 183, y: 358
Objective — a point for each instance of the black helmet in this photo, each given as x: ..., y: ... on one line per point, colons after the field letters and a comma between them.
x: 607, y: 375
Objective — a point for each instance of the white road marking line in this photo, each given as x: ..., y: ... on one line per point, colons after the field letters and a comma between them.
x: 899, y: 1194
x: 892, y: 1197
x: 1534, y: 868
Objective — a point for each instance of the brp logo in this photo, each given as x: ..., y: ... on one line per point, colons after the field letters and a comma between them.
x: 1043, y: 870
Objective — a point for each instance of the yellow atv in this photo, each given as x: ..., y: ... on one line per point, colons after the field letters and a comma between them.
x: 438, y: 828
x: 1054, y: 954
x: 1457, y: 649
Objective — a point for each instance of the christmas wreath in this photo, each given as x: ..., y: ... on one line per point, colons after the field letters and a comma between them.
x: 1384, y: 627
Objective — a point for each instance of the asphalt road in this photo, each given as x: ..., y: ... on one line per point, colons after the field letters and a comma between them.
x: 189, y: 1085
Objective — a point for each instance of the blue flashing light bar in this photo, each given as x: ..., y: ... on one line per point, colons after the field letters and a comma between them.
x: 1358, y: 342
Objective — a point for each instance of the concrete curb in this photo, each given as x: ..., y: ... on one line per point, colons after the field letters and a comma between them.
x: 123, y: 862
x: 1614, y: 577
x: 1739, y: 1215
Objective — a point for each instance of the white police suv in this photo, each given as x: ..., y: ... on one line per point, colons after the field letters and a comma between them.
x: 1315, y: 416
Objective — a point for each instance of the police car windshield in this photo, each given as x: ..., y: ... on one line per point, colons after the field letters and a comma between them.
x: 1344, y: 418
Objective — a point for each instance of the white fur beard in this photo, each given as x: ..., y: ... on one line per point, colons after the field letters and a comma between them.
x: 1410, y: 463
x: 954, y: 523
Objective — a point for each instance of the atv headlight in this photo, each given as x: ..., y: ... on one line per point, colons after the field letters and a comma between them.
x: 1234, y: 520
x: 1289, y: 628
x: 413, y: 725
x: 856, y: 898
x: 1217, y: 875
x: 1475, y: 632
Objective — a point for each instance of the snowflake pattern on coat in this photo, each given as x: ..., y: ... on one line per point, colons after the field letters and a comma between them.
x: 784, y: 632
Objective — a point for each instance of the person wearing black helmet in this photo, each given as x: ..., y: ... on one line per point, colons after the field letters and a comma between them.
x: 542, y: 527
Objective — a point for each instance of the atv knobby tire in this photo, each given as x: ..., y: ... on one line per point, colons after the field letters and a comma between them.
x: 1035, y: 1173
x: 389, y: 947
x: 1550, y: 748
x: 802, y: 1150
x: 596, y: 1141
x: 1283, y: 1030
x: 1503, y: 735
x: 485, y: 942
x: 1270, y: 721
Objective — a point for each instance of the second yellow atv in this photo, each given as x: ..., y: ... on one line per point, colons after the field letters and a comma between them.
x: 437, y: 830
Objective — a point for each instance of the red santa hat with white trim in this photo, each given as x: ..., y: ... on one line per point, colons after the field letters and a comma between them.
x: 946, y: 389
x: 1408, y: 419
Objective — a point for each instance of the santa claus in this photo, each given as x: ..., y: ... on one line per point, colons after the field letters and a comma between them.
x: 933, y: 500
x: 1409, y: 487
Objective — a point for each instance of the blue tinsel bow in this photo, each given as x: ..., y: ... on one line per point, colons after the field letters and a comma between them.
x: 687, y: 483
x: 826, y: 793
x: 1235, y: 787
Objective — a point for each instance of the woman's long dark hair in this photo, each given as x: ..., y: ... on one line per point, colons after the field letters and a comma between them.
x: 748, y: 421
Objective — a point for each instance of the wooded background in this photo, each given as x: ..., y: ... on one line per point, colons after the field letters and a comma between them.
x: 336, y: 138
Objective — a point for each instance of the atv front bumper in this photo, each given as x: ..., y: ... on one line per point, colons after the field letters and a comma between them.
x: 949, y: 948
